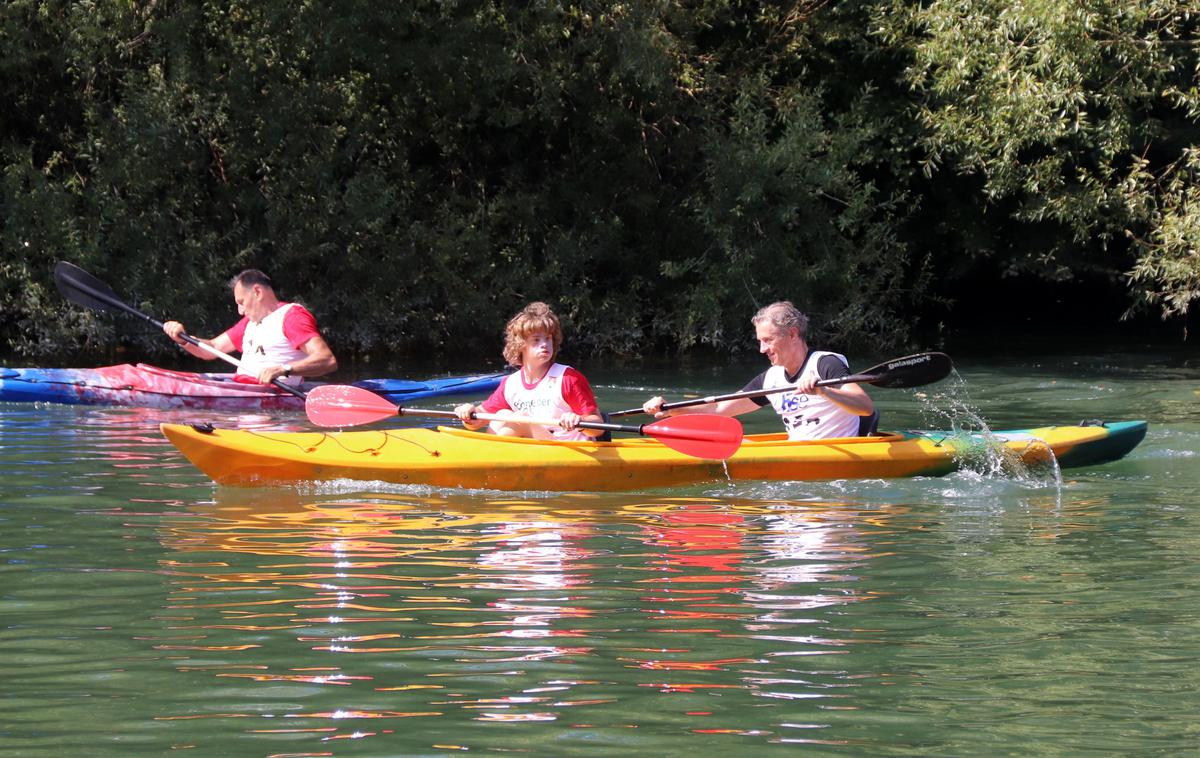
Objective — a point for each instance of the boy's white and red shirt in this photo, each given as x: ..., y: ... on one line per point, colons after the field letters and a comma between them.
x: 561, y: 390
x: 275, y: 340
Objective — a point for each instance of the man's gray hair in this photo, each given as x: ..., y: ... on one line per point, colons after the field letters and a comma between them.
x: 251, y: 277
x: 783, y: 316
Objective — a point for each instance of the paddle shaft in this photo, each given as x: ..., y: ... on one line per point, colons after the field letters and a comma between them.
x: 909, y: 371
x: 700, y: 435
x: 600, y: 426
x: 116, y: 302
x: 748, y: 394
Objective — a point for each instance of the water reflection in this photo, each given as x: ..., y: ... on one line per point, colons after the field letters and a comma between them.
x: 505, y: 609
x: 770, y: 611
x: 956, y: 615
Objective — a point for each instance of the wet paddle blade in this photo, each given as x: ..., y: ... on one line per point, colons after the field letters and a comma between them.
x: 701, y: 435
x: 909, y: 371
x: 341, y: 405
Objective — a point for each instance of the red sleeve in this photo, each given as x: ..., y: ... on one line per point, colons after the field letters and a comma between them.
x: 578, y: 393
x: 236, y: 332
x: 497, y: 401
x: 299, y: 326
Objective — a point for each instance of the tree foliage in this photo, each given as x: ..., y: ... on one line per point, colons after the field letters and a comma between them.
x: 1081, y: 114
x: 415, y: 172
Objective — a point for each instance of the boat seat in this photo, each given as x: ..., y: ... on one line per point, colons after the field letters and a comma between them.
x: 867, y: 425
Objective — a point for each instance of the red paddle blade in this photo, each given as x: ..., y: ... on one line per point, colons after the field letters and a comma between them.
x: 702, y: 435
x: 340, y: 405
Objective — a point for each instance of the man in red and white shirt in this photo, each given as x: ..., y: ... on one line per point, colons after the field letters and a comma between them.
x: 277, y: 340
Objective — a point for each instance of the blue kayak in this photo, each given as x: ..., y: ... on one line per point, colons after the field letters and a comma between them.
x: 148, y: 386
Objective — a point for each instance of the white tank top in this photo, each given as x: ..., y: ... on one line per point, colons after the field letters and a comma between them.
x: 809, y: 417
x: 543, y: 400
x: 264, y: 344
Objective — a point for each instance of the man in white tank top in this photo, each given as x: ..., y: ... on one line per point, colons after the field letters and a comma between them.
x: 808, y: 411
x: 277, y: 340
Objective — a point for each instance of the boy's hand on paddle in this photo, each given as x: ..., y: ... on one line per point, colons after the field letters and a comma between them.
x: 654, y: 405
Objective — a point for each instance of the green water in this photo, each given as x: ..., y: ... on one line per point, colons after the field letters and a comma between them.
x: 146, y: 611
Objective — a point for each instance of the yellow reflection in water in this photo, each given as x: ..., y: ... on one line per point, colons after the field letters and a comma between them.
x: 470, y: 592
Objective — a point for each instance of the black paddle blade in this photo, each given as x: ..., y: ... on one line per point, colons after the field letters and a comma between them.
x: 909, y: 371
x: 85, y: 290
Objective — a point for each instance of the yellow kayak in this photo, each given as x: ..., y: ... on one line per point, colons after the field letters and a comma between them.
x: 446, y: 457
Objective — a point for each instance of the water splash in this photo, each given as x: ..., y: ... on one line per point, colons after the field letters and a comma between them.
x: 979, y: 451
